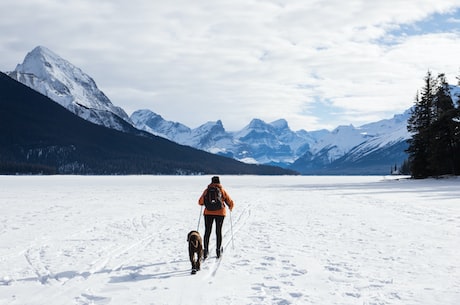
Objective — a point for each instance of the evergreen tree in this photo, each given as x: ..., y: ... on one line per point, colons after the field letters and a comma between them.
x: 441, y: 159
x: 405, y: 168
x: 419, y: 125
x: 443, y: 100
x: 454, y: 117
x: 434, y: 148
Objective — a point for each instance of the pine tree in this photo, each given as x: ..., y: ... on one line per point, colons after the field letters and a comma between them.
x: 456, y: 140
x: 441, y: 160
x: 405, y: 168
x: 454, y: 119
x: 434, y: 148
x: 419, y: 125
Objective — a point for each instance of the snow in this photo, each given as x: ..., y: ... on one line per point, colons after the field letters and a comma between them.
x: 64, y: 83
x: 289, y: 240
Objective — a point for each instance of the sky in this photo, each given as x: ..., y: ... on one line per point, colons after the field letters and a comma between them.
x: 316, y: 63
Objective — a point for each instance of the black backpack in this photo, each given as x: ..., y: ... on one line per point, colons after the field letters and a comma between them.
x: 213, y: 198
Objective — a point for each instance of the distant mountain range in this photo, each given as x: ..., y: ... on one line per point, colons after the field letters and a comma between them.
x: 39, y: 136
x: 373, y: 148
x: 369, y: 149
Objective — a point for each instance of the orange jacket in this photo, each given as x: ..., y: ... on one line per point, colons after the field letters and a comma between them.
x: 228, y: 201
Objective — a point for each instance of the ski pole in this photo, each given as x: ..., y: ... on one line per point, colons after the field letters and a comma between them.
x: 231, y: 228
x: 199, y: 219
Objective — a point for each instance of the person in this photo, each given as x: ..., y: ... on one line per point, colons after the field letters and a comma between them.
x: 217, y: 216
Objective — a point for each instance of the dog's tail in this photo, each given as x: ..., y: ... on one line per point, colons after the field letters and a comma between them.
x: 195, y: 243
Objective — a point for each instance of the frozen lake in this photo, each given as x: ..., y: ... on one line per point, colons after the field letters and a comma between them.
x: 289, y: 240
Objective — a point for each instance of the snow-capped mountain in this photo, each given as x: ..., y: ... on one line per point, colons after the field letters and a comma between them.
x: 259, y: 142
x: 271, y: 143
x: 369, y: 149
x: 275, y: 143
x: 155, y: 124
x: 55, y: 77
x: 374, y: 146
x: 210, y: 136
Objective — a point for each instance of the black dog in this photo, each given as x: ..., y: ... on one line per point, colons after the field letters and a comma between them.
x: 195, y: 250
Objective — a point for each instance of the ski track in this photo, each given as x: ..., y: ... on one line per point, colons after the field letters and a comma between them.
x: 123, y: 241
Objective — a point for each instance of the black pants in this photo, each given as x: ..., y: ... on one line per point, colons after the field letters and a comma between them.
x: 208, y: 220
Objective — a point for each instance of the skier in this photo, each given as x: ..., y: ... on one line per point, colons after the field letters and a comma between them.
x: 214, y: 214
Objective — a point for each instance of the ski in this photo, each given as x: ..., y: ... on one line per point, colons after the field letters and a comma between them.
x: 210, y: 264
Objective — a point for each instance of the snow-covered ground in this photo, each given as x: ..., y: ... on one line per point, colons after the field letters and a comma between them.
x: 296, y: 240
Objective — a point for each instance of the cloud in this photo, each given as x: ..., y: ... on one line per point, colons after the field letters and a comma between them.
x: 236, y: 60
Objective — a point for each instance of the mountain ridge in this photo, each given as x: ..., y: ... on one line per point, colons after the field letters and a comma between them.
x: 376, y: 145
x: 51, y: 75
x: 276, y: 144
x: 40, y: 136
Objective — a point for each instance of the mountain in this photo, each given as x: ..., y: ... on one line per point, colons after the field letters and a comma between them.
x: 55, y: 77
x: 155, y: 124
x: 374, y: 156
x: 369, y: 149
x: 40, y: 136
x: 259, y: 143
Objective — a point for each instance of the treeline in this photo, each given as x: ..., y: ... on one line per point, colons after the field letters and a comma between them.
x: 434, y: 148
x: 12, y: 168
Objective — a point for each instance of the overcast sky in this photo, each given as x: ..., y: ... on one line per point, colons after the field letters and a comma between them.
x: 317, y: 64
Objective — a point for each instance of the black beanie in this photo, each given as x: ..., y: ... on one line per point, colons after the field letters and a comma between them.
x: 215, y: 179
